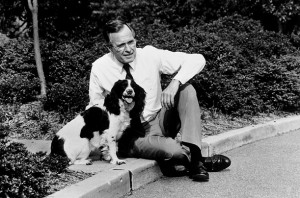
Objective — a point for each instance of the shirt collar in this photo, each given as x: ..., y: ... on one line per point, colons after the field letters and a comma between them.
x: 120, y: 65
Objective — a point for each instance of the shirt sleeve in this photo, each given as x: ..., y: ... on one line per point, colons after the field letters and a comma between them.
x: 187, y: 65
x: 96, y: 92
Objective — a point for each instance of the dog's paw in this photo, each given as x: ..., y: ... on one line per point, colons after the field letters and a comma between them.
x: 89, y: 162
x: 118, y: 162
x: 106, y: 158
x: 85, y: 162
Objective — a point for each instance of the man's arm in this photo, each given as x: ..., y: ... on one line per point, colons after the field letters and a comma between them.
x: 168, y: 95
x: 96, y: 92
x: 187, y: 65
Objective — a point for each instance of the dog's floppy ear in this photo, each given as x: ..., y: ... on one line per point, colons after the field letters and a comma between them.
x: 111, y: 102
x: 86, y: 132
x: 95, y: 120
x: 139, y: 99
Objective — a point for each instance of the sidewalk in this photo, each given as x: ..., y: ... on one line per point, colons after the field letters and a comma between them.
x: 115, y: 181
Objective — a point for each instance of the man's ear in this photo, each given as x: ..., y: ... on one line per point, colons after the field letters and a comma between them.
x: 108, y: 48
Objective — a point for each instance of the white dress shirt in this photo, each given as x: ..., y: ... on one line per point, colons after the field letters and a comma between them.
x: 146, y: 69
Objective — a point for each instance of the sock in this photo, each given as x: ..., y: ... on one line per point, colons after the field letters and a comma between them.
x: 196, y: 155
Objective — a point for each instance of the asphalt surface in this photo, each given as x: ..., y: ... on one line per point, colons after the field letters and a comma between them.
x: 266, y: 168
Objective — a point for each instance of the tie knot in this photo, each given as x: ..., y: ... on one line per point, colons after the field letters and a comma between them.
x: 128, y: 74
x: 126, y: 67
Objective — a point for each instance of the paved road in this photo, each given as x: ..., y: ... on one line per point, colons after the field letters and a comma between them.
x: 267, y: 168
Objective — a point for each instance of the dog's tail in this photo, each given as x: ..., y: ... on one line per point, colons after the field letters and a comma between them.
x: 57, y: 146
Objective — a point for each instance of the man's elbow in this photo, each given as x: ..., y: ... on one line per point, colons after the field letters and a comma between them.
x: 201, y: 62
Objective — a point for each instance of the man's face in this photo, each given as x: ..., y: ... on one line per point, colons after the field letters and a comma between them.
x: 123, y: 45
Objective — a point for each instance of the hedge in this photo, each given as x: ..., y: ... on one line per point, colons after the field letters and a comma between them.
x: 247, y: 70
x: 25, y: 174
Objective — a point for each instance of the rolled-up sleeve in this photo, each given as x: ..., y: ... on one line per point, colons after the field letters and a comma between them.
x: 187, y: 65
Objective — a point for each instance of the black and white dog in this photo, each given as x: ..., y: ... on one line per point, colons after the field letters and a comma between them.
x: 97, y: 127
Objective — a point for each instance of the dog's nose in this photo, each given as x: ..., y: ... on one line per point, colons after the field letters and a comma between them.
x: 129, y: 91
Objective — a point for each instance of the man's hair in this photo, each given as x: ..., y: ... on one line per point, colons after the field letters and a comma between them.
x: 114, y: 26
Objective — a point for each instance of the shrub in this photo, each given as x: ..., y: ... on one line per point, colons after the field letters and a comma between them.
x: 18, y: 74
x: 67, y: 69
x: 18, y: 87
x: 278, y: 84
x: 66, y: 59
x: 236, y: 50
x: 22, y: 174
x: 25, y: 174
x: 68, y: 98
x: 236, y: 59
x: 248, y: 35
x: 17, y: 55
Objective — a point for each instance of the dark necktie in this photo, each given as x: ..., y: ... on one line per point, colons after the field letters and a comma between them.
x: 128, y: 74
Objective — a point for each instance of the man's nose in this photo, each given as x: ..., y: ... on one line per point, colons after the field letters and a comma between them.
x: 127, y: 48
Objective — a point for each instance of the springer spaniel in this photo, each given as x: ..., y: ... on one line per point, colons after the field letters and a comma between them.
x: 97, y: 127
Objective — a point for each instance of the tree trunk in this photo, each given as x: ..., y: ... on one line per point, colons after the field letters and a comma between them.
x: 33, y: 5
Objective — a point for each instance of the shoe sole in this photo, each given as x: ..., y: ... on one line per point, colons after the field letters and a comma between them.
x: 199, y: 178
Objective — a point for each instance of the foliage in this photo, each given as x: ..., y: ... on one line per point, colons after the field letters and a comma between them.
x: 22, y: 174
x: 240, y: 57
x: 18, y: 177
x: 18, y: 82
x: 68, y: 98
x: 244, y: 73
x: 69, y: 19
x: 67, y: 69
x: 59, y: 18
x: 67, y: 66
x: 17, y: 87
x: 283, y: 10
x: 25, y: 174
x: 237, y: 60
x: 64, y: 18
x: 30, y: 121
x: 12, y: 14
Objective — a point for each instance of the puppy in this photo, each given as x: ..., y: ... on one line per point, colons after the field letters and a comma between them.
x: 80, y: 136
x: 97, y: 127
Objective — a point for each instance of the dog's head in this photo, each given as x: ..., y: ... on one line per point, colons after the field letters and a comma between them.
x: 126, y: 93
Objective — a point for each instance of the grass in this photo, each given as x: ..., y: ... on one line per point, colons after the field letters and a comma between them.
x: 59, y: 181
x: 214, y: 123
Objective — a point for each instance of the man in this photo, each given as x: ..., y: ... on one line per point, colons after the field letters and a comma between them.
x: 166, y: 112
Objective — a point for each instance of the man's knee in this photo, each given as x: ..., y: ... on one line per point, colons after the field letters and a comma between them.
x: 187, y: 97
x: 189, y: 92
x: 175, y: 152
x: 179, y: 157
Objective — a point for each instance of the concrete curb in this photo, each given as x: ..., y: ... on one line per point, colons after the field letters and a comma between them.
x: 110, y: 183
x: 117, y: 182
x: 236, y: 138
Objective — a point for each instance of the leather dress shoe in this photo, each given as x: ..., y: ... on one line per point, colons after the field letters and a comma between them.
x: 198, y: 173
x: 216, y: 163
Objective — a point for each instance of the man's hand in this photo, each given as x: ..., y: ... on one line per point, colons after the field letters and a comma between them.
x: 168, y: 95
